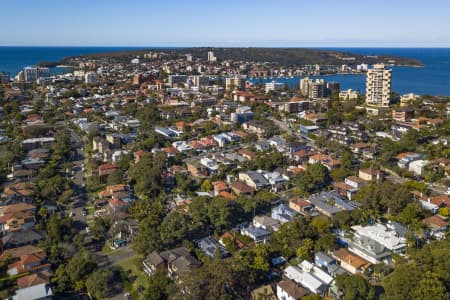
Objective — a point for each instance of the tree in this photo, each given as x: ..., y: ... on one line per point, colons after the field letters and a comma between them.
x: 305, y: 249
x: 325, y: 242
x: 313, y: 179
x: 290, y: 236
x: 222, y: 213
x: 98, y: 283
x: 74, y: 273
x: 322, y: 224
x: 158, y: 287
x: 148, y: 237
x: 206, y: 186
x: 147, y: 174
x: 174, y: 228
x: 99, y: 230
x: 115, y: 177
x: 428, y: 273
x: 354, y: 287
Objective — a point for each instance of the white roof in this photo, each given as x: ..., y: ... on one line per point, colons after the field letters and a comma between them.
x: 39, y: 291
x: 381, y: 234
x: 305, y: 279
x: 316, y: 272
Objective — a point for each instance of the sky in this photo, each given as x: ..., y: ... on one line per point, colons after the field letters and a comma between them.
x: 275, y: 23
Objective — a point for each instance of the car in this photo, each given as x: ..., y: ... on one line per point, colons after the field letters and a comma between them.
x: 447, y: 192
x: 71, y: 214
x: 88, y: 230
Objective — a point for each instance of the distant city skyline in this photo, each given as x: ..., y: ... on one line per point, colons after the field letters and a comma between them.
x: 283, y: 23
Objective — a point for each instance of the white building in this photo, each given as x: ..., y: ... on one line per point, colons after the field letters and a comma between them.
x: 274, y: 86
x: 349, y: 95
x: 31, y: 74
x: 90, y: 77
x: 378, y: 86
x: 211, y: 57
x: 235, y: 83
x: 305, y: 279
x: 418, y: 166
x: 383, y: 235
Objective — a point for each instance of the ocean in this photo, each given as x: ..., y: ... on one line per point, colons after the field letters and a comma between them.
x: 433, y: 78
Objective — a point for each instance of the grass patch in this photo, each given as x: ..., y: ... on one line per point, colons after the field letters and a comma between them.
x: 133, y: 268
x: 109, y: 251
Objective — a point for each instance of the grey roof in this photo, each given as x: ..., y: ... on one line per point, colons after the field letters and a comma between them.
x: 257, y: 178
x: 323, y: 257
x: 330, y: 202
x: 183, y: 263
x: 154, y: 259
x: 24, y: 236
x: 174, y: 253
x: 209, y: 245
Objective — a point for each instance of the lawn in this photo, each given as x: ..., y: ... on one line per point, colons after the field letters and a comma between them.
x: 133, y: 267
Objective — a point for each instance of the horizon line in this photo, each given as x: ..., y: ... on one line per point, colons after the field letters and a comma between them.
x: 231, y: 46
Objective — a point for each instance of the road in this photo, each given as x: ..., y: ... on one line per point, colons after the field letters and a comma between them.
x: 401, y: 180
x: 79, y: 200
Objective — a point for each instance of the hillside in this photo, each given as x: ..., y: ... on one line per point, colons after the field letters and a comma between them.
x: 281, y: 56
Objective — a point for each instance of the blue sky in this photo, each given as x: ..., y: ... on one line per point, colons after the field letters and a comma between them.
x: 393, y: 23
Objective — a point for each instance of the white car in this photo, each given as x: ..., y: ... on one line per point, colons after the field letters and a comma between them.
x: 447, y: 192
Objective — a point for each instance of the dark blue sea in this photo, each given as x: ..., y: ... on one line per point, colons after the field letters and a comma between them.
x: 433, y: 78
x: 13, y: 59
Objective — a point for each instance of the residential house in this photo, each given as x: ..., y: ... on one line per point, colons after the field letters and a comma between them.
x: 369, y: 249
x: 256, y: 127
x: 211, y: 247
x: 283, y: 213
x: 16, y: 220
x: 345, y: 190
x: 276, y: 180
x: 306, y: 279
x: 105, y: 170
x: 322, y: 260
x: 355, y: 182
x: 29, y: 263
x: 21, y: 237
x: 34, y: 287
x: 18, y: 192
x: 16, y: 253
x: 196, y: 169
x: 220, y: 186
x: 266, y: 223
x: 100, y: 145
x: 371, y: 174
x: 240, y: 188
x: 301, y: 206
x: 232, y: 236
x: 247, y: 154
x: 176, y: 261
x: 289, y: 290
x: 386, y: 235
x: 114, y: 139
x: 437, y: 226
x: 351, y: 262
x: 302, y: 156
x: 263, y: 292
x: 262, y: 146
x: 329, y: 203
x: 254, y: 179
x: 258, y: 235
